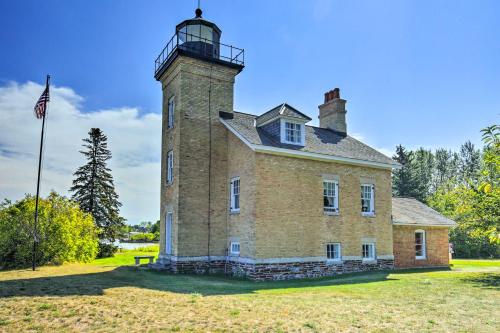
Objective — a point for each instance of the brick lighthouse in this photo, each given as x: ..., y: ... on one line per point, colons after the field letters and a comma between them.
x: 197, y: 74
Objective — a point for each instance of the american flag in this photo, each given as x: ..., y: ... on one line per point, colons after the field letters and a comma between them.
x: 41, y: 105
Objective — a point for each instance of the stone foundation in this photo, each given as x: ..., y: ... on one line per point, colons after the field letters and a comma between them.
x: 276, y: 271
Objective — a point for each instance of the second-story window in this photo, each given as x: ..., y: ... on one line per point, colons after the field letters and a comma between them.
x: 170, y: 167
x: 235, y: 195
x: 171, y: 111
x: 367, y: 199
x: 330, y: 196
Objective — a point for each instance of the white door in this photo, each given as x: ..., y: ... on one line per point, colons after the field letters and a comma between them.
x: 168, y: 234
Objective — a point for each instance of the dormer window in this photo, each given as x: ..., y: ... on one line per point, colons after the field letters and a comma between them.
x: 292, y: 132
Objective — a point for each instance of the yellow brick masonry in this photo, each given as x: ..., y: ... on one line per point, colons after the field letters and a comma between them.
x: 201, y: 90
x: 290, y: 221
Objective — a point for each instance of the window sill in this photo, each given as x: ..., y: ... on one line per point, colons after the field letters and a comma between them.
x: 170, y: 128
x: 170, y: 184
x: 331, y: 213
x: 236, y: 211
x: 420, y: 258
x: 368, y: 214
x: 334, y: 262
x: 293, y: 143
x: 369, y: 261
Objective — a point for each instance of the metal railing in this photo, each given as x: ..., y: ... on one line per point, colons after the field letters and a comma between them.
x: 200, y: 46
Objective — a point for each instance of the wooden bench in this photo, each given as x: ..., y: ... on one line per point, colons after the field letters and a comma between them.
x: 138, y: 259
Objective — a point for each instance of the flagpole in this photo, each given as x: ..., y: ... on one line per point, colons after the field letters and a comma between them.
x: 35, y: 240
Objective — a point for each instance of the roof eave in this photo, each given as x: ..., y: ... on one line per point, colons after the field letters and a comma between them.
x: 423, y: 225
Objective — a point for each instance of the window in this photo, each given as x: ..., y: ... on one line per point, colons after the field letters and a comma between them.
x: 168, y: 233
x: 368, y: 251
x: 171, y: 110
x: 367, y: 199
x: 292, y: 132
x: 333, y: 251
x: 235, y: 194
x: 330, y: 196
x: 170, y: 167
x: 235, y: 248
x: 419, y: 244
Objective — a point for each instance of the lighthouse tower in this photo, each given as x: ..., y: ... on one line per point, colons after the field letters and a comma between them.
x: 197, y: 74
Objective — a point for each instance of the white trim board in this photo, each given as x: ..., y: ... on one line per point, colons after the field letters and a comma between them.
x: 306, y: 155
x: 422, y: 225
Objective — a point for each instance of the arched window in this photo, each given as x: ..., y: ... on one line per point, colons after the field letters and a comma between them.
x: 420, y: 247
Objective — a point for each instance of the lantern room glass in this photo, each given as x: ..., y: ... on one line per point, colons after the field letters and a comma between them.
x: 199, y: 38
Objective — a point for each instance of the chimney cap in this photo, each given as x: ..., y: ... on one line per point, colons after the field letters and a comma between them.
x: 332, y: 94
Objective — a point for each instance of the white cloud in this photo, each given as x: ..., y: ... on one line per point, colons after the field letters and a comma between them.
x: 134, y: 140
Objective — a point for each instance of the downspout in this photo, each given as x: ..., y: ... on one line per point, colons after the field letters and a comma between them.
x: 209, y: 168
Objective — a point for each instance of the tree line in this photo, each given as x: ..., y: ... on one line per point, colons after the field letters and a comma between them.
x: 462, y: 185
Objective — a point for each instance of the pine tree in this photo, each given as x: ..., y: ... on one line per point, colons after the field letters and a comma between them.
x: 93, y: 186
x: 423, y: 166
x: 403, y: 183
x: 470, y: 163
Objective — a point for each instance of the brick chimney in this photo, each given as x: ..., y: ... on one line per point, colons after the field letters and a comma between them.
x: 332, y: 112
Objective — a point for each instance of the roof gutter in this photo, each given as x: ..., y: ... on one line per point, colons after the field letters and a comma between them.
x: 308, y: 155
x: 423, y: 225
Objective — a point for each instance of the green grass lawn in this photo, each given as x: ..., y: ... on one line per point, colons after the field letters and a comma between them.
x: 106, y: 296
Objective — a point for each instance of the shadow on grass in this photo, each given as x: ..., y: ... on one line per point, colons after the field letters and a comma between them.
x: 484, y: 280
x: 97, y: 283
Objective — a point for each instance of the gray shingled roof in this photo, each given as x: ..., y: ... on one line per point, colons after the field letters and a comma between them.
x: 318, y: 140
x: 281, y: 110
x: 409, y: 211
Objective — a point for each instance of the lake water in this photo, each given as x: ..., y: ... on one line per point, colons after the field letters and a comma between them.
x: 131, y: 246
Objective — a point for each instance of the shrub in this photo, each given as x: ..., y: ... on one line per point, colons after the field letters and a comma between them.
x: 106, y: 250
x: 144, y: 237
x: 65, y: 233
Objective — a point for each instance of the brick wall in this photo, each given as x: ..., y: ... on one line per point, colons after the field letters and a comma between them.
x: 192, y: 81
x: 241, y: 226
x: 404, y: 247
x: 290, y: 221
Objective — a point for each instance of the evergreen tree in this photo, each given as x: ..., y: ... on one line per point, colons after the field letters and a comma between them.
x: 93, y: 187
x: 423, y: 166
x: 470, y: 163
x: 442, y: 168
x: 403, y: 183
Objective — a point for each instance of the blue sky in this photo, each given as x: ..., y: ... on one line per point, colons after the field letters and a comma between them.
x: 420, y: 73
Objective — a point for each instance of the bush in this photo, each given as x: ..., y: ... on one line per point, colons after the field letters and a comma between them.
x: 144, y: 237
x: 65, y: 233
x: 106, y: 250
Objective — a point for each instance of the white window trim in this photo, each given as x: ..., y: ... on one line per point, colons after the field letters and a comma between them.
x: 171, y: 214
x: 170, y: 167
x: 374, y: 254
x: 171, y: 112
x: 339, y: 259
x: 232, y: 196
x: 372, y: 201
x: 231, y: 248
x: 283, y: 132
x: 424, y: 245
x: 336, y: 198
